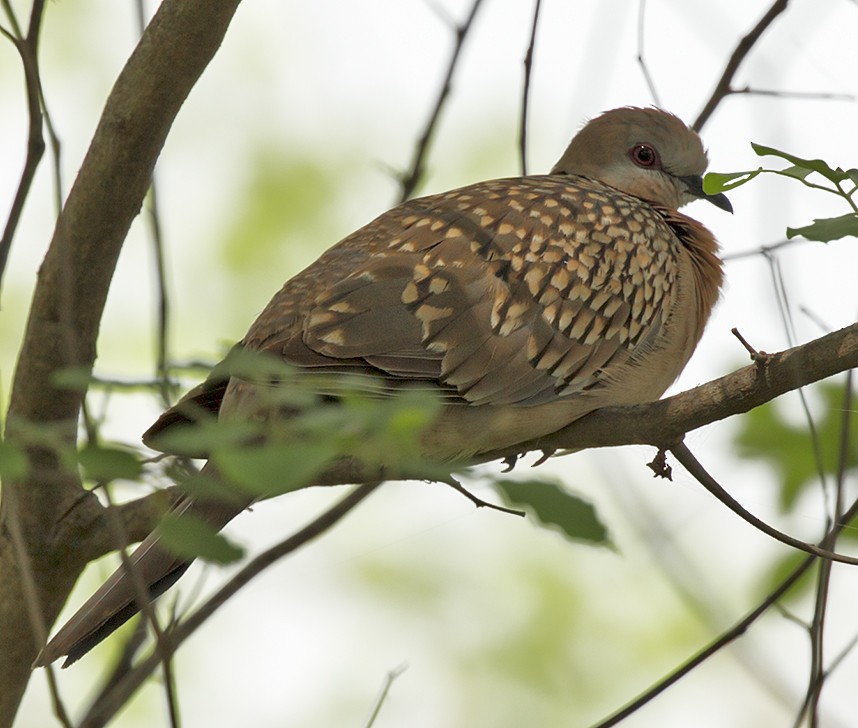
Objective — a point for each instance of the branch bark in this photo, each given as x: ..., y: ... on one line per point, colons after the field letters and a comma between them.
x: 66, y: 311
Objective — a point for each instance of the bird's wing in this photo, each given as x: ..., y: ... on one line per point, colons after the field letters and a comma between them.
x: 512, y: 292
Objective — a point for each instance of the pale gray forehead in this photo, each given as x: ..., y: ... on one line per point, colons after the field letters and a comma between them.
x: 681, y: 149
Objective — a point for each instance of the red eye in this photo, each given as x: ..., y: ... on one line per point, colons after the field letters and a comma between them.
x: 644, y: 155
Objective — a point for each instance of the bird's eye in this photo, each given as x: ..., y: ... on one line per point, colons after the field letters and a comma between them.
x: 644, y: 155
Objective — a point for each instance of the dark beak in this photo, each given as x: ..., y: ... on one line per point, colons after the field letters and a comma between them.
x: 694, y: 184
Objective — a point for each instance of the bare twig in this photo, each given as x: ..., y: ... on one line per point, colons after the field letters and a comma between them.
x: 28, y: 48
x: 723, y: 87
x: 804, y: 95
x: 163, y: 646
x: 763, y: 249
x: 123, y: 665
x: 115, y: 699
x: 525, y: 94
x: 409, y: 180
x: 480, y: 503
x: 818, y: 673
x: 785, y: 310
x: 166, y: 387
x: 693, y: 466
x: 385, y: 689
x: 641, y: 60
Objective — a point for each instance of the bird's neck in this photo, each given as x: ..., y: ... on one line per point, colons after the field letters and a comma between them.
x: 707, y: 266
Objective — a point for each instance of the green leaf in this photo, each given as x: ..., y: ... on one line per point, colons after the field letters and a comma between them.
x: 191, y: 537
x: 813, y: 165
x: 853, y: 175
x: 205, y: 436
x: 555, y: 507
x: 273, y: 469
x: 13, y: 462
x: 715, y: 182
x: 795, y: 172
x: 108, y: 463
x: 828, y: 228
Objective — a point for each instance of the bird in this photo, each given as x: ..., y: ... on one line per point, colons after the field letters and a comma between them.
x: 523, y: 303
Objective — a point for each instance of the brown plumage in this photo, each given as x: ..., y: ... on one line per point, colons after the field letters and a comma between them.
x: 524, y: 302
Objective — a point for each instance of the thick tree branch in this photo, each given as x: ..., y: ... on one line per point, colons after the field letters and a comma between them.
x: 664, y: 422
x: 87, y: 525
x: 69, y: 300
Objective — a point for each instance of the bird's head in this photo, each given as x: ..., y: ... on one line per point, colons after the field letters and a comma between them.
x: 647, y: 153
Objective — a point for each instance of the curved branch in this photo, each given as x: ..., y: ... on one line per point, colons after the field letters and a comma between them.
x: 692, y: 465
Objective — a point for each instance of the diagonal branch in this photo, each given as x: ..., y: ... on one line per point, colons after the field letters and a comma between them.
x: 724, y: 86
x: 525, y: 93
x: 666, y: 421
x: 410, y: 179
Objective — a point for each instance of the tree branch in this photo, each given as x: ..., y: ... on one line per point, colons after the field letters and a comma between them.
x: 410, y: 179
x: 724, y: 88
x: 665, y: 421
x: 69, y: 300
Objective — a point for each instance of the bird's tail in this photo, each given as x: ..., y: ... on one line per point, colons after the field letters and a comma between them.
x: 116, y: 601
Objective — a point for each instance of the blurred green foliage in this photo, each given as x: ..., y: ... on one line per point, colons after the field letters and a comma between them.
x: 766, y: 434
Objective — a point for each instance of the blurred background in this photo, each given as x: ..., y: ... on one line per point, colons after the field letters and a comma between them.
x: 292, y: 140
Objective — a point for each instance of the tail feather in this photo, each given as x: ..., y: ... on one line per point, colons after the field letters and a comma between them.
x: 116, y: 601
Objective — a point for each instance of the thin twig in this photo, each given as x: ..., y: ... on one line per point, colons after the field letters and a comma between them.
x: 162, y: 324
x: 763, y: 249
x: 650, y: 82
x: 385, y: 689
x: 114, y: 700
x: 123, y: 665
x: 163, y: 644
x: 27, y: 48
x: 818, y: 673
x: 805, y: 95
x: 789, y: 329
x: 409, y: 180
x: 723, y: 87
x: 525, y: 95
x: 692, y: 465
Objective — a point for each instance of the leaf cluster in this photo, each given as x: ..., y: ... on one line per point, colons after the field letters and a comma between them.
x: 834, y: 180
